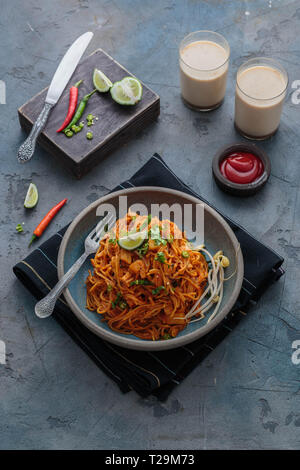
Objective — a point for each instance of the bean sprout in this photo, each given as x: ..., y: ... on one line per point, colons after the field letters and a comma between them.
x: 213, y: 294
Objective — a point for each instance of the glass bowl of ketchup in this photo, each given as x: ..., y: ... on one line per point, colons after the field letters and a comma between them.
x: 241, y: 169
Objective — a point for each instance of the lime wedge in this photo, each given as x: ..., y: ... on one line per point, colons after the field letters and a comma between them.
x: 128, y: 91
x: 132, y: 241
x: 32, y: 197
x: 101, y: 82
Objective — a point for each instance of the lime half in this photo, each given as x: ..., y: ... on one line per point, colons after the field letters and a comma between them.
x: 128, y: 91
x: 32, y: 197
x: 132, y: 241
x: 101, y: 82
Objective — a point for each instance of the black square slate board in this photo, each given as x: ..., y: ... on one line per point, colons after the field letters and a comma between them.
x: 115, y: 126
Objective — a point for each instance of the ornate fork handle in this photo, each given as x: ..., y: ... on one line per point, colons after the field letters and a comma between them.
x: 45, y: 307
x: 26, y: 150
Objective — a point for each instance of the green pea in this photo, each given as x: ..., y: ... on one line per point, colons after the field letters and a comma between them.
x: 89, y: 135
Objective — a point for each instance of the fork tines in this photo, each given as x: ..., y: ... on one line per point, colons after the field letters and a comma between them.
x: 108, y: 221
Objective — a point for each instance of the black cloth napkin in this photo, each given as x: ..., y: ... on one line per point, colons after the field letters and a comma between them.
x: 145, y: 372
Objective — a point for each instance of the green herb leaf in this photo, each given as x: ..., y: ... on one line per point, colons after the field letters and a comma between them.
x: 142, y: 250
x: 167, y: 336
x: 158, y: 289
x: 160, y: 257
x: 141, y: 282
x: 156, y: 236
x: 146, y: 223
x: 118, y: 299
x: 160, y: 241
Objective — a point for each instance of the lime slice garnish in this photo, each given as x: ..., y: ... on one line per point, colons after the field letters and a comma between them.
x: 128, y: 91
x: 32, y: 197
x: 132, y: 241
x: 101, y: 82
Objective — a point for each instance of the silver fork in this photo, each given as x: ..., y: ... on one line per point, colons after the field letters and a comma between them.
x: 45, y: 307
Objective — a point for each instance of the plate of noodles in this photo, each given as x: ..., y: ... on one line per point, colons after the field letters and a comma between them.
x: 149, y: 286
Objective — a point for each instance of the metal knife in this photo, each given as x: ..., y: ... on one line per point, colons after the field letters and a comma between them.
x: 61, y: 77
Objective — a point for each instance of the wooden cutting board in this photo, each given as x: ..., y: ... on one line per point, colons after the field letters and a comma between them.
x: 116, y: 124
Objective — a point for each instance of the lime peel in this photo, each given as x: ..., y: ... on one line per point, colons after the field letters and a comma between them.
x: 101, y: 82
x: 127, y: 91
x: 132, y: 241
x: 32, y: 197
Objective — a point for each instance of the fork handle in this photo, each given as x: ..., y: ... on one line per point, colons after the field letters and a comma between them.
x: 45, y: 307
x: 26, y: 150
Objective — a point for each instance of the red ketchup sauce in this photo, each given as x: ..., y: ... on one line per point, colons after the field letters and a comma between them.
x: 242, y: 167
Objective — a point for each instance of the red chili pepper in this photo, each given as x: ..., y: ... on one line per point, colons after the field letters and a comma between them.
x: 73, y: 98
x: 46, y: 220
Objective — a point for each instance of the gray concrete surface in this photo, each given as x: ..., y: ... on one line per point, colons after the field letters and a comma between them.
x: 246, y: 394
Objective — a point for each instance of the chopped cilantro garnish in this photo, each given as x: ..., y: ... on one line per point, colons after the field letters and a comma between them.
x: 158, y: 289
x: 142, y: 250
x: 141, y: 282
x: 160, y: 257
x: 117, y: 301
x: 156, y: 236
x: 160, y: 241
x: 146, y: 223
x: 167, y: 336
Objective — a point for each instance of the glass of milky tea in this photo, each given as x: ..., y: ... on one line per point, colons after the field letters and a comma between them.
x: 203, y: 60
x: 261, y: 85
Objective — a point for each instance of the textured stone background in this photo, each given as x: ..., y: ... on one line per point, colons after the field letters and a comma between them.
x: 247, y: 393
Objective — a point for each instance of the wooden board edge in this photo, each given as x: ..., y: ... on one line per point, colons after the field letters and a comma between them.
x: 79, y: 169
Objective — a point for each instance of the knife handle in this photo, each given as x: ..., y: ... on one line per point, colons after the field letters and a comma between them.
x: 26, y: 150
